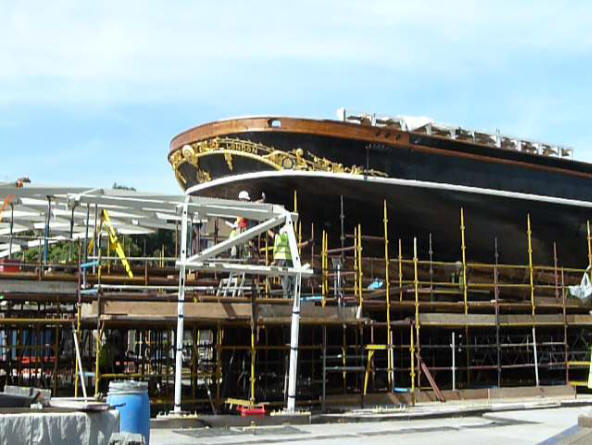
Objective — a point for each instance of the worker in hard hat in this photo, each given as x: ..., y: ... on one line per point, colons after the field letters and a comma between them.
x: 282, y: 257
x: 235, y: 252
x: 242, y: 223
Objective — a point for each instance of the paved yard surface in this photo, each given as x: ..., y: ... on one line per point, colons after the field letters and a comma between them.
x: 508, y: 427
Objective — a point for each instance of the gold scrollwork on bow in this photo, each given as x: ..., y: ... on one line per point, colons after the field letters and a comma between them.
x: 296, y: 159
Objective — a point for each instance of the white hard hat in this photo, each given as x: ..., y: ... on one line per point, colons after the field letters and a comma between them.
x: 244, y: 196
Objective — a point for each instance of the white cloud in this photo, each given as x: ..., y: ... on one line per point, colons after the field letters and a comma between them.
x: 522, y: 67
x: 116, y: 51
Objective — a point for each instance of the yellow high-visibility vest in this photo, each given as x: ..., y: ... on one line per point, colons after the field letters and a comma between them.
x: 281, y: 247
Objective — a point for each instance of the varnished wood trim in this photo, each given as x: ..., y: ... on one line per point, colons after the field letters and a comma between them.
x: 307, y: 126
x: 345, y: 130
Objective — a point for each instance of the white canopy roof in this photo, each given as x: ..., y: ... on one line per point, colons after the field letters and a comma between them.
x: 27, y: 210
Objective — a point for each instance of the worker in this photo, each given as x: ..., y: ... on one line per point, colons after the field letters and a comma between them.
x: 457, y: 276
x: 111, y: 353
x: 282, y: 257
x: 242, y: 223
x: 20, y: 182
x: 238, y: 226
x: 244, y: 196
x: 235, y: 252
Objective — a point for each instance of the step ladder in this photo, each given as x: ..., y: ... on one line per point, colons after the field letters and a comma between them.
x: 236, y: 285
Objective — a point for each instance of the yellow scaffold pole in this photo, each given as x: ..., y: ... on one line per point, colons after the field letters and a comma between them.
x: 416, y: 285
x: 300, y: 236
x: 400, y: 270
x: 324, y: 263
x: 356, y: 287
x: 530, y: 267
x: 267, y: 286
x: 412, y: 356
x: 388, y: 300
x: 464, y: 260
x: 589, y: 247
x: 114, y: 240
x: 416, y: 291
x: 360, y: 274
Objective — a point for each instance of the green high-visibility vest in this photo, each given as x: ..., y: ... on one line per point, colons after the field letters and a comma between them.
x: 281, y: 247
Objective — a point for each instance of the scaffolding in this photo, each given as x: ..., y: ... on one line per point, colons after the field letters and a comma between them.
x: 375, y: 321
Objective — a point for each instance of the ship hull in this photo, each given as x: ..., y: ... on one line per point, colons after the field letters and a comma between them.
x: 420, y: 210
x: 424, y: 180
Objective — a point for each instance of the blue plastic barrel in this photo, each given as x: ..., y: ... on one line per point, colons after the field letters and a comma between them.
x: 130, y: 398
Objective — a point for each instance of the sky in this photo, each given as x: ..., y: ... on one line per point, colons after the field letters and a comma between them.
x: 91, y: 93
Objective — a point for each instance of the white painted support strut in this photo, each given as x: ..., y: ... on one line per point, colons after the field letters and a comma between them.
x: 294, y: 333
x: 181, y: 311
x: 208, y: 260
x: 80, y: 370
x: 453, y: 347
x: 295, y: 328
x: 536, y: 358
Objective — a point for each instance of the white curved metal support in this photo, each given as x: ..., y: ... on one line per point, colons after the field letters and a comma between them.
x: 295, y: 328
x: 181, y: 311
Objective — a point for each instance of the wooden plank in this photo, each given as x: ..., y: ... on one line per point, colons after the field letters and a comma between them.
x: 431, y: 380
x: 452, y: 320
x: 443, y: 319
x: 579, y: 319
x: 267, y: 313
x: 153, y: 309
x: 45, y: 288
x: 530, y: 320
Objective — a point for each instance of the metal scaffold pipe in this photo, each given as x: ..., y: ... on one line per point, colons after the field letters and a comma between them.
x: 453, y: 368
x: 391, y: 379
x: 417, y: 323
x: 589, y: 238
x: 530, y: 266
x: 464, y: 260
x: 180, y: 310
x: 535, y: 354
x: 295, y: 327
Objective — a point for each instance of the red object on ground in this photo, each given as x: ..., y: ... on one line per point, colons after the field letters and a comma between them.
x: 7, y: 265
x: 33, y: 360
x: 256, y: 411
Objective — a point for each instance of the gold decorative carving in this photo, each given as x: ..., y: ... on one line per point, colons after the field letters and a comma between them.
x: 176, y: 158
x: 228, y: 158
x: 296, y: 159
x: 180, y: 179
x: 203, y: 176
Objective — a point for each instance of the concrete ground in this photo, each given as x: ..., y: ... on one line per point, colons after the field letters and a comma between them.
x: 524, y: 426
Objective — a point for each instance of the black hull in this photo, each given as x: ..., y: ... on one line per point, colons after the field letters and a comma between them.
x: 416, y: 211
x: 444, y: 167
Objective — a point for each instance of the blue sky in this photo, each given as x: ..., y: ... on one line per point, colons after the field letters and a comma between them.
x: 92, y: 93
